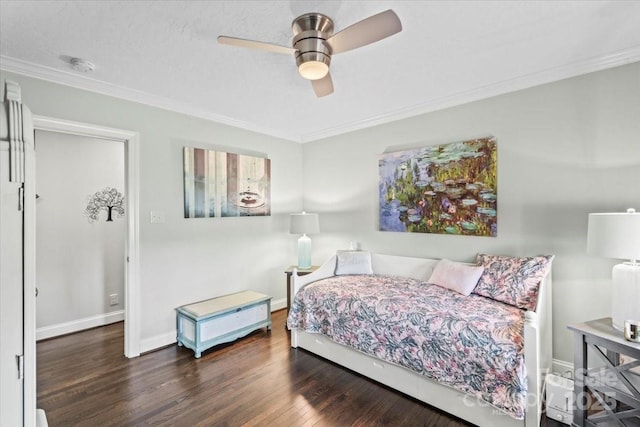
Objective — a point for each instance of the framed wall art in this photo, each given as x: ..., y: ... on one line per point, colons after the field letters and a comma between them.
x: 443, y: 189
x: 221, y: 184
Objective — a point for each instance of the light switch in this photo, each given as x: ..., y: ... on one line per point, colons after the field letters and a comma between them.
x: 157, y: 217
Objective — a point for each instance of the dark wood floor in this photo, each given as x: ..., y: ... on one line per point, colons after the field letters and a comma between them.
x: 84, y: 380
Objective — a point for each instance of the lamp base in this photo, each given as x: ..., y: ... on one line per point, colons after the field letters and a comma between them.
x: 625, y: 294
x: 304, y: 252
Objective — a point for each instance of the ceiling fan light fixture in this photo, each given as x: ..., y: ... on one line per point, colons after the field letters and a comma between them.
x: 314, y: 54
x: 313, y: 70
x: 314, y: 43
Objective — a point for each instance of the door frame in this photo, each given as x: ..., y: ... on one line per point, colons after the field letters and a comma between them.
x: 131, y: 140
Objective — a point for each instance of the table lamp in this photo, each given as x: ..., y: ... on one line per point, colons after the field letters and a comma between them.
x: 617, y: 235
x: 304, y: 223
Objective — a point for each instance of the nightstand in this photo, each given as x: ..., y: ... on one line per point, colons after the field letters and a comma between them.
x: 603, y: 376
x: 301, y: 272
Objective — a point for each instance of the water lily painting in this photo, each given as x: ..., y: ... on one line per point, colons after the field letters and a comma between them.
x: 443, y: 189
x: 221, y: 184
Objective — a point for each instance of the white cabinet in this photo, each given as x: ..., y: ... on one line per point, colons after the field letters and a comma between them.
x: 559, y: 398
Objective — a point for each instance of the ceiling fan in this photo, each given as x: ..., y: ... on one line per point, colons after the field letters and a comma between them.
x: 314, y: 43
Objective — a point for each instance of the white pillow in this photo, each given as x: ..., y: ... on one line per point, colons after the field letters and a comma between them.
x: 353, y: 262
x: 456, y: 276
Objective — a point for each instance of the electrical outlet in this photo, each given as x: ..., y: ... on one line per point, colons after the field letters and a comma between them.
x: 113, y: 299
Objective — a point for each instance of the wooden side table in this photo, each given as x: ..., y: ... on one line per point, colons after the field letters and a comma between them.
x: 301, y: 272
x: 614, y: 384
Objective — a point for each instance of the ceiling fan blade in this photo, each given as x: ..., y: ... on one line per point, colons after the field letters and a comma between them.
x: 367, y: 31
x: 323, y: 86
x: 252, y: 44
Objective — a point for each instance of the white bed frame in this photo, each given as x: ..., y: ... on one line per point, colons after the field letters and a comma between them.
x: 537, y: 351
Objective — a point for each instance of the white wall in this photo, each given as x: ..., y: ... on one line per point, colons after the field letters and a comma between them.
x: 78, y: 263
x: 564, y: 150
x: 187, y: 260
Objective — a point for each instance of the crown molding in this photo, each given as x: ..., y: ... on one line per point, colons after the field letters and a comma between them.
x: 77, y: 81
x: 549, y: 75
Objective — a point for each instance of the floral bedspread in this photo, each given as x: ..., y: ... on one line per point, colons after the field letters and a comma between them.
x: 470, y: 343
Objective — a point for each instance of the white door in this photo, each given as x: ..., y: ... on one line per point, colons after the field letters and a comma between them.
x: 11, y: 317
x: 17, y: 263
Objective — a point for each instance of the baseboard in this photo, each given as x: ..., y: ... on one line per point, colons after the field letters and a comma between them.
x: 157, y: 342
x: 278, y: 304
x: 168, y: 338
x: 79, y: 325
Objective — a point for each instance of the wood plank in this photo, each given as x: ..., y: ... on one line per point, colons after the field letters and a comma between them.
x: 84, y: 380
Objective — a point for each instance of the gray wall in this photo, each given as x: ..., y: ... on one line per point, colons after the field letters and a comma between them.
x: 564, y: 150
x: 187, y: 260
x: 78, y: 263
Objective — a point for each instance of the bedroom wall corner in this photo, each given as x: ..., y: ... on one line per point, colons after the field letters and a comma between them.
x: 565, y: 149
x: 186, y: 260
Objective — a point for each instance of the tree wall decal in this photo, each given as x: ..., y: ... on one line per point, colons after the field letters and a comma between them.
x: 109, y: 200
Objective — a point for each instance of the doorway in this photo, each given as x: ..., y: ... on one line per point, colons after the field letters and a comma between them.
x: 131, y: 195
x: 79, y: 246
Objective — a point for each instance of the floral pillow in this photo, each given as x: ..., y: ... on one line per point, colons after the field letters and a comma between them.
x: 512, y: 280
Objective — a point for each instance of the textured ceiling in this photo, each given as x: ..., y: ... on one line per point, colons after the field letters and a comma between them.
x: 164, y: 53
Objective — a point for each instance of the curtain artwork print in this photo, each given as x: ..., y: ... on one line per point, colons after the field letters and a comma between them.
x: 442, y: 189
x: 220, y: 184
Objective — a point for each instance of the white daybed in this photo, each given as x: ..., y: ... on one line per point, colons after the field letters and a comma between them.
x: 537, y: 351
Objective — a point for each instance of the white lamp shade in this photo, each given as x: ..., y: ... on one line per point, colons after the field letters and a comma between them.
x: 304, y: 223
x: 614, y: 235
